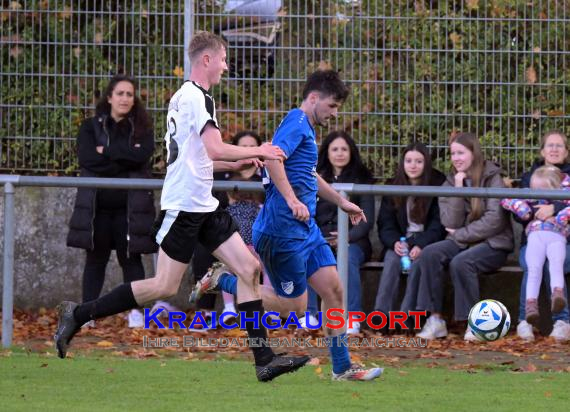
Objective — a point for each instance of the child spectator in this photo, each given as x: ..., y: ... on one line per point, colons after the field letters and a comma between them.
x: 545, y: 239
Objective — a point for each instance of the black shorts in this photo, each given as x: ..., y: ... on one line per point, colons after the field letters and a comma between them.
x: 178, y: 232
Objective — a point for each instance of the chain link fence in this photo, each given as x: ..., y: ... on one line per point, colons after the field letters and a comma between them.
x: 417, y: 70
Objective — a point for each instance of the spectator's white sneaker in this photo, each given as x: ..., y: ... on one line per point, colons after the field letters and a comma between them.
x: 524, y: 331
x: 312, y: 322
x: 433, y: 329
x: 561, y: 331
x: 469, y: 336
x: 166, y: 308
x: 352, y: 331
x: 136, y: 319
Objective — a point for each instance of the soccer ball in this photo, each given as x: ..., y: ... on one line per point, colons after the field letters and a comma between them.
x: 489, y: 320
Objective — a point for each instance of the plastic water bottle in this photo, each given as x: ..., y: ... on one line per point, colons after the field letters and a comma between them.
x: 405, y: 261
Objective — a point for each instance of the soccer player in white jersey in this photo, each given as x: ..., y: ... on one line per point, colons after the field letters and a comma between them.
x: 190, y: 213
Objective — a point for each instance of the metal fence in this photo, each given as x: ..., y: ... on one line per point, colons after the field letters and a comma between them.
x: 418, y: 70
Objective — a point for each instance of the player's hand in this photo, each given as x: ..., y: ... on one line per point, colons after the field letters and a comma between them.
x: 245, y: 164
x: 415, y: 252
x: 355, y: 213
x: 450, y: 231
x: 99, y: 149
x: 459, y: 178
x: 543, y: 212
x: 270, y: 152
x: 299, y: 209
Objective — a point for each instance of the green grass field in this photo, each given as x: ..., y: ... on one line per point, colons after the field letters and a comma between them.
x: 30, y: 381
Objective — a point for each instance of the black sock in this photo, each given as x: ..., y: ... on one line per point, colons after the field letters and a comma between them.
x: 116, y: 301
x: 262, y: 354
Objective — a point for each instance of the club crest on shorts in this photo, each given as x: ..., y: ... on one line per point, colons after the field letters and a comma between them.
x: 287, y: 287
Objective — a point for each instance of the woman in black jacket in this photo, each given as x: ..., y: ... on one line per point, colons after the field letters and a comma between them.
x: 117, y: 142
x: 340, y: 162
x: 415, y: 218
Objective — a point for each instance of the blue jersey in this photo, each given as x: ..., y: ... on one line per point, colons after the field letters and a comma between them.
x: 296, y: 137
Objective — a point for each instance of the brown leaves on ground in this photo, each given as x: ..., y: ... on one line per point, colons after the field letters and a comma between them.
x: 34, y: 331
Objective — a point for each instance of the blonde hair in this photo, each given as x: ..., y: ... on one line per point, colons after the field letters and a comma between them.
x: 204, y: 40
x: 549, y: 174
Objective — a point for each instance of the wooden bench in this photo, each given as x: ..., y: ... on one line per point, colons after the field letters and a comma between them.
x: 511, y: 267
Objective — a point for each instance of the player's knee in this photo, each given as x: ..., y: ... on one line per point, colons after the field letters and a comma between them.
x: 334, y: 294
x: 250, y: 272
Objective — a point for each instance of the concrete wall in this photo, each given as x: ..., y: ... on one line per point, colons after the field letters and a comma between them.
x: 46, y: 271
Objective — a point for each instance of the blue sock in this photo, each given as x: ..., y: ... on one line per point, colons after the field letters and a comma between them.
x: 228, y: 283
x: 338, y: 349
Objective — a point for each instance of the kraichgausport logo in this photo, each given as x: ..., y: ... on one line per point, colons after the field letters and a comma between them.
x: 332, y: 319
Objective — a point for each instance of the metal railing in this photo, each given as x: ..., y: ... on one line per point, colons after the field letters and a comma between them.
x: 11, y: 182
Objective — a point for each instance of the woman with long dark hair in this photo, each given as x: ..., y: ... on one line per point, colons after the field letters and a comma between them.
x: 340, y: 162
x: 117, y: 142
x: 479, y: 240
x: 414, y: 218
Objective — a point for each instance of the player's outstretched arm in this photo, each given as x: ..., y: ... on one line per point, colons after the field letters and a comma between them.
x: 326, y: 191
x: 278, y: 176
x: 222, y: 166
x: 218, y: 150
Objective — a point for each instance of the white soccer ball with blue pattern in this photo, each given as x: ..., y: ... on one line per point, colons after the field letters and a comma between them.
x: 489, y: 320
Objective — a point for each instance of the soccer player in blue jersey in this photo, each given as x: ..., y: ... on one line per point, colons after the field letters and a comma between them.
x: 285, y: 234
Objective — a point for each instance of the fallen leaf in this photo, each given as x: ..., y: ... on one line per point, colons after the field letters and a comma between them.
x: 529, y: 368
x: 555, y: 112
x: 456, y: 40
x: 178, y: 72
x: 66, y: 12
x: 536, y: 49
x: 105, y: 344
x: 318, y: 370
x: 98, y: 39
x: 324, y: 65
x: 44, y: 365
x: 15, y: 51
x: 402, y: 373
x: 472, y: 4
x: 548, y: 394
x: 545, y: 356
x: 110, y: 370
x: 531, y: 76
x: 77, y: 52
x: 314, y: 362
x: 355, y: 395
x: 15, y: 5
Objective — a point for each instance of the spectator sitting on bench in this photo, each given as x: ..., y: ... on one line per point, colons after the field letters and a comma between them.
x: 546, y: 239
x: 415, y: 218
x: 479, y: 240
x: 553, y: 152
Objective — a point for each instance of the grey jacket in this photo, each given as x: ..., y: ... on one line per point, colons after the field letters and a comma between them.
x: 493, y: 226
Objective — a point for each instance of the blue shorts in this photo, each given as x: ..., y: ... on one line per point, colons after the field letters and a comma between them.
x: 290, y: 262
